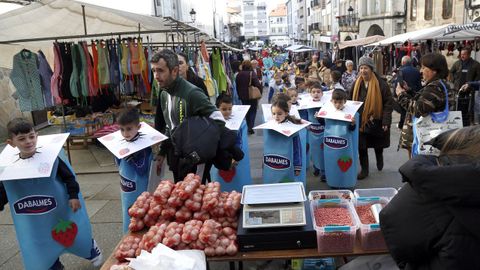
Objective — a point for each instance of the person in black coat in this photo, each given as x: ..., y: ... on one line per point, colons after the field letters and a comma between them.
x: 243, y: 82
x: 187, y: 73
x: 433, y: 222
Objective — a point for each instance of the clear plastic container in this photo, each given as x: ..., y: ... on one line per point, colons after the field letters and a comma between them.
x: 330, y: 194
x: 370, y: 235
x: 333, y: 238
x: 387, y: 193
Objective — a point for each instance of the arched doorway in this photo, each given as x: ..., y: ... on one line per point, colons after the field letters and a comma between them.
x: 375, y: 30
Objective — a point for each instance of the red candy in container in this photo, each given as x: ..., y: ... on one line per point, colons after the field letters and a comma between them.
x: 371, y: 237
x: 336, y: 224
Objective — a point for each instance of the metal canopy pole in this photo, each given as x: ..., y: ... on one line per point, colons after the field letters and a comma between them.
x: 84, y: 20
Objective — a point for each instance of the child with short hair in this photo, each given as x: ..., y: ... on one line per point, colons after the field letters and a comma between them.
x: 49, y: 214
x: 341, y: 146
x: 276, y: 85
x: 335, y: 77
x: 293, y: 94
x: 133, y: 169
x: 238, y: 174
x: 315, y: 133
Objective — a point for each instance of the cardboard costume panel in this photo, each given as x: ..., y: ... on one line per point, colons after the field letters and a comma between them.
x: 236, y: 118
x: 38, y: 206
x: 303, y: 135
x: 341, y: 150
x: 348, y: 112
x: 305, y: 101
x: 116, y: 144
x: 315, y: 139
x: 40, y: 165
x: 134, y: 177
x: 277, y: 158
x: 240, y: 175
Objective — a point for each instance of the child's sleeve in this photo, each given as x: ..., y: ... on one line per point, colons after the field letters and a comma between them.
x: 352, y: 127
x: 67, y: 177
x: 3, y: 196
x: 297, y: 153
x: 238, y: 141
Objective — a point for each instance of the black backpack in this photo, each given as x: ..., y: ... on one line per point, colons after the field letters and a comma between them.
x: 196, y: 139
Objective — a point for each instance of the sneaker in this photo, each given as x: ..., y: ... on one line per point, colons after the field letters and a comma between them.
x: 57, y: 265
x: 96, y: 256
x: 316, y: 172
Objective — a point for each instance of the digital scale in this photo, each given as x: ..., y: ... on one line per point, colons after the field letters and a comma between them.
x: 273, y: 205
x: 275, y: 216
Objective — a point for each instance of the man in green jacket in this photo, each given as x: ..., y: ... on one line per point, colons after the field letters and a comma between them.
x: 178, y: 100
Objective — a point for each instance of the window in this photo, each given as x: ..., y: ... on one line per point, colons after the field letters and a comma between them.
x: 413, y: 10
x: 447, y: 7
x: 428, y: 10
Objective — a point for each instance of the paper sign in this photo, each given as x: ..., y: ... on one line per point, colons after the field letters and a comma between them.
x: 305, y: 101
x: 267, y: 112
x: 119, y: 147
x: 40, y: 165
x: 238, y: 114
x: 347, y: 114
x: 286, y: 128
x: 426, y: 130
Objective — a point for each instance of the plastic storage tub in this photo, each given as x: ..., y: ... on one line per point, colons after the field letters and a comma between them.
x: 335, y: 238
x: 371, y: 237
x: 387, y: 193
x: 330, y: 194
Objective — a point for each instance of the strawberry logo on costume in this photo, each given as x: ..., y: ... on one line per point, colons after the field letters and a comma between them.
x: 108, y: 138
x: 344, y: 163
x: 227, y: 176
x: 356, y: 103
x: 322, y: 113
x: 43, y: 167
x: 286, y: 132
x: 65, y: 232
x: 124, y: 151
x: 156, y: 138
x: 348, y: 116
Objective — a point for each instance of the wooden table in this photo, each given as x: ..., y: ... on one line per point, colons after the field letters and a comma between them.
x: 270, y: 255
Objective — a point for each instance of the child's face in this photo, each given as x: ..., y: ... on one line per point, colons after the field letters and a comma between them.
x: 226, y: 109
x: 339, y: 104
x: 25, y: 142
x: 129, y: 130
x: 316, y: 94
x: 293, y: 96
x: 278, y: 114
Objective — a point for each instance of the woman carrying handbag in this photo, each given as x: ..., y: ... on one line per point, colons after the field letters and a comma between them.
x: 246, y: 79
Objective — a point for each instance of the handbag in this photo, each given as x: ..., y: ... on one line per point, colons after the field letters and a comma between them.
x: 253, y: 91
x: 374, y: 128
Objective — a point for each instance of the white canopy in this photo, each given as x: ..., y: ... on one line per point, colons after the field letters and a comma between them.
x: 48, y: 19
x: 422, y: 34
x: 300, y: 48
x: 359, y: 41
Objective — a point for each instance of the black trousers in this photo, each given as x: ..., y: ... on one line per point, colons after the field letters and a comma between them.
x: 252, y: 112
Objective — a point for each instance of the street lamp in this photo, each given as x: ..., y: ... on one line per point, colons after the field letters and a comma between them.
x: 193, y: 15
x: 350, y: 16
x: 303, y: 31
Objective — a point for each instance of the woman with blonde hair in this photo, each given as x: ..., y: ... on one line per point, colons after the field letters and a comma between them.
x: 432, y: 223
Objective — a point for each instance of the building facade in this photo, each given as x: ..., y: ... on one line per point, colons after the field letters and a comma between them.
x: 234, y: 22
x: 291, y: 20
x: 301, y: 26
x: 472, y: 13
x: 278, y: 26
x: 255, y: 22
x: 427, y: 13
x: 382, y: 17
x: 322, y: 23
x: 347, y: 20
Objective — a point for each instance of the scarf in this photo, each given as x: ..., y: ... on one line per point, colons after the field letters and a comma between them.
x: 372, y: 106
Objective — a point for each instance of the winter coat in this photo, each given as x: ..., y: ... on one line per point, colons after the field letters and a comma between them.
x: 243, y: 82
x: 432, y: 223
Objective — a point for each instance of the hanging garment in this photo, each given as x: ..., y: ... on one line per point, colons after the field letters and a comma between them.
x: 67, y: 68
x: 143, y: 66
x: 204, y: 52
x: 37, y: 205
x: 315, y: 139
x: 134, y: 173
x: 149, y: 54
x: 135, y: 59
x: 46, y: 76
x: 114, y: 70
x: 103, y: 70
x: 26, y: 79
x: 279, y: 155
x: 92, y: 91
x: 96, y: 83
x: 125, y: 62
x: 75, y: 87
x: 218, y: 71
x: 83, y: 71
x: 56, y: 81
x: 341, y: 148
x: 238, y: 176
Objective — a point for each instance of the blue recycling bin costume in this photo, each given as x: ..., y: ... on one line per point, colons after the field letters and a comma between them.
x: 134, y: 174
x: 341, y: 148
x: 37, y: 205
x: 315, y: 140
x: 239, y: 176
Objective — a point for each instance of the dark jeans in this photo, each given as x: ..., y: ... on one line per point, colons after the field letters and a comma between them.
x: 252, y: 112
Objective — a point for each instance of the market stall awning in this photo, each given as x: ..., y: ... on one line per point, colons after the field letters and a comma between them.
x: 422, y: 34
x: 300, y: 48
x: 360, y: 42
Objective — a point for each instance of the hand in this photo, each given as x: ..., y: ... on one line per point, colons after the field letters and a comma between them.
x: 74, y: 204
x: 399, y: 90
x: 353, y: 121
x: 234, y: 164
x: 464, y: 87
x: 297, y: 172
x: 385, y: 128
x: 159, y: 163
